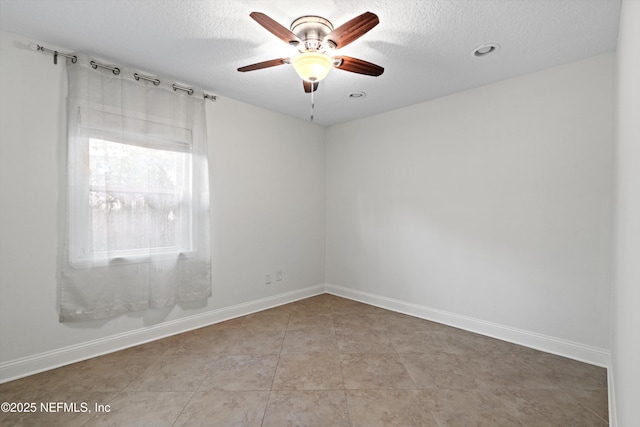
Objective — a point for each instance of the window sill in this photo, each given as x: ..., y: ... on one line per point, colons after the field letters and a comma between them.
x: 128, y: 259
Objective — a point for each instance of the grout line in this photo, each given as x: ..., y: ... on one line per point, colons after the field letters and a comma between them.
x: 400, y: 359
x: 344, y: 388
x: 186, y: 404
x: 276, y: 369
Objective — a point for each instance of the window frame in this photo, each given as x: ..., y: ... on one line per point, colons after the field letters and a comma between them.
x: 80, y: 251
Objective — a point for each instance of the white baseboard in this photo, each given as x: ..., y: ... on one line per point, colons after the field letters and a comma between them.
x: 30, y: 365
x: 581, y: 352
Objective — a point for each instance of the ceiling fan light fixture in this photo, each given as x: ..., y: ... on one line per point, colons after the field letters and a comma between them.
x: 312, y: 66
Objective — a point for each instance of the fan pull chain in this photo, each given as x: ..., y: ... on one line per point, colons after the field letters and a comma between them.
x: 312, y: 103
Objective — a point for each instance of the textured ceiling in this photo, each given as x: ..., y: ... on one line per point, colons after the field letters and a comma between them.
x: 425, y: 46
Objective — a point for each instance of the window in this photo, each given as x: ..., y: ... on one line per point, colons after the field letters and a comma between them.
x: 136, y: 234
x: 133, y: 190
x: 138, y: 199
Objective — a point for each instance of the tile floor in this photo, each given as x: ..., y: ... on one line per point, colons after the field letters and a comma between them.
x: 323, y: 361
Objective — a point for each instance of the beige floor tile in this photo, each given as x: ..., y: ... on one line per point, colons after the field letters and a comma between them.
x: 421, y: 341
x: 154, y: 349
x: 363, y: 341
x: 405, y: 323
x: 316, y: 408
x: 345, y: 306
x: 469, y: 342
x: 31, y: 387
x: 43, y: 419
x: 224, y: 408
x: 308, y: 371
x: 567, y: 373
x: 468, y: 408
x: 240, y: 372
x: 47, y: 412
x: 317, y: 304
x: 596, y: 401
x: 360, y: 322
x: 172, y: 373
x: 309, y: 340
x: 109, y: 373
x: 142, y: 408
x: 552, y: 408
x: 496, y: 346
x: 317, y: 322
x: 374, y: 371
x: 249, y: 340
x: 402, y: 408
x: 505, y: 371
x: 267, y: 320
x: 205, y: 341
x: 436, y: 370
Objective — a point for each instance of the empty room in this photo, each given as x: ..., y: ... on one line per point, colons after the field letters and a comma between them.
x: 327, y: 213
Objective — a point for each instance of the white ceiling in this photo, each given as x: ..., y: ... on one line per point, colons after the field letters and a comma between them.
x: 425, y: 46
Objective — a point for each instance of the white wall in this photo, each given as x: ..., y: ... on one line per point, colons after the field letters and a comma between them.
x: 268, y: 202
x: 493, y: 204
x: 625, y: 366
x: 267, y: 213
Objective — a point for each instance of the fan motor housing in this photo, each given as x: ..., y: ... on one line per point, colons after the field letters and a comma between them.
x: 311, y: 30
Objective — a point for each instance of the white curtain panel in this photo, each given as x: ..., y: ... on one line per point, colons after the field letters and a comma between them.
x: 137, y: 234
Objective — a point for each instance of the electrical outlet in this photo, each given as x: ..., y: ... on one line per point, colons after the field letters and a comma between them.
x: 267, y: 279
x: 279, y: 275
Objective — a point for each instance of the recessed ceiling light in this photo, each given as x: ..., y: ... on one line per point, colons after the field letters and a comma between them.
x: 356, y: 95
x: 485, y: 49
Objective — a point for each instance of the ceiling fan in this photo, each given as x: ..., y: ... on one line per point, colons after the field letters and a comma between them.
x: 315, y: 38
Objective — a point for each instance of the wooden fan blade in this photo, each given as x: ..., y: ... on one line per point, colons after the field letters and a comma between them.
x: 359, y: 66
x: 308, y: 86
x: 275, y: 28
x: 265, y: 64
x: 353, y: 29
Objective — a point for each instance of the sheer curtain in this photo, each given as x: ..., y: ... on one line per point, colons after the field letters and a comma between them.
x: 137, y: 198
